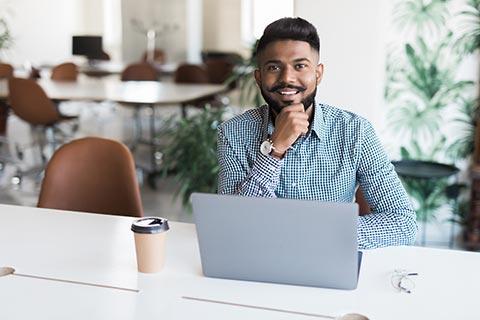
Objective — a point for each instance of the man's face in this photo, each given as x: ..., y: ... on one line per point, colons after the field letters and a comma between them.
x: 288, y: 73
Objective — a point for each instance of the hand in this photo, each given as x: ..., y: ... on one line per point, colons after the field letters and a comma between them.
x: 290, y: 123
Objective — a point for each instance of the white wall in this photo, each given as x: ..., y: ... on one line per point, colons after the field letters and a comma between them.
x: 163, y: 12
x: 353, y: 43
x: 42, y: 30
x: 222, y: 26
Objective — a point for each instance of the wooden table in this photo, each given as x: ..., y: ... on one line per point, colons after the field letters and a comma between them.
x: 100, y: 249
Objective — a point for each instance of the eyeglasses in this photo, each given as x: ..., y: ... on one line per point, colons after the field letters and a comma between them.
x: 402, y: 281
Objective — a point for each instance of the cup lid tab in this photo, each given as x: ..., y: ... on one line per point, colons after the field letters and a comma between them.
x: 150, y: 225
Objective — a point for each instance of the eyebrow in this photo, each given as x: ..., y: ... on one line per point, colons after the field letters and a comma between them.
x: 295, y: 60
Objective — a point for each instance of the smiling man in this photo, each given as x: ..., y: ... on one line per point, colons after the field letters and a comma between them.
x: 294, y: 148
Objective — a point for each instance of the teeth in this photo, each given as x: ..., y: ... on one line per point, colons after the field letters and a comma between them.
x: 288, y: 93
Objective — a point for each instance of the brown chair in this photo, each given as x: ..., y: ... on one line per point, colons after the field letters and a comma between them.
x: 191, y: 73
x: 158, y: 56
x: 218, y: 70
x: 139, y: 72
x: 195, y: 74
x: 6, y: 70
x: 363, y: 206
x: 30, y: 103
x: 65, y: 72
x: 92, y: 175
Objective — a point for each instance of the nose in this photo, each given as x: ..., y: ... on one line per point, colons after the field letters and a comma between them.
x: 287, y: 75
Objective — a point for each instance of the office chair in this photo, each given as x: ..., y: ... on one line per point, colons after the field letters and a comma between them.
x: 158, y: 56
x: 218, y: 70
x: 29, y: 102
x: 92, y: 175
x: 191, y: 73
x: 139, y: 72
x: 65, y: 72
x: 363, y: 206
x: 6, y: 71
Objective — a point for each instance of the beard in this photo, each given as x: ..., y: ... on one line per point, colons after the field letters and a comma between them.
x: 307, y: 101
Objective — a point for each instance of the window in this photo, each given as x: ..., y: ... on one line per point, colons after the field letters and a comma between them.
x: 257, y: 14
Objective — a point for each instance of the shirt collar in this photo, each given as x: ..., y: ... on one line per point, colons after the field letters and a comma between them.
x: 318, y: 125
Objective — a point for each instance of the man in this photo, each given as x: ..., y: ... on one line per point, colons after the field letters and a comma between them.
x: 294, y: 148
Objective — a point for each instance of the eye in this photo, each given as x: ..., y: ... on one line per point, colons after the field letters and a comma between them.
x: 300, y: 66
x: 273, y: 68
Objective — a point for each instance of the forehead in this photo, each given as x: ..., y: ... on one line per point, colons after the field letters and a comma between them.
x: 288, y: 50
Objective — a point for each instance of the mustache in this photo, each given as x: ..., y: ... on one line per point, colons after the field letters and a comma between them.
x: 286, y: 86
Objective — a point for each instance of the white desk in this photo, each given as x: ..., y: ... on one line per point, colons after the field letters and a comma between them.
x: 100, y: 249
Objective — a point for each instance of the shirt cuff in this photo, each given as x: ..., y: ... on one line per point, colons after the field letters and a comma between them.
x: 268, y: 167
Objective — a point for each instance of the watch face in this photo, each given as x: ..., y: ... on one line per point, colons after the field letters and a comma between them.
x: 266, y: 147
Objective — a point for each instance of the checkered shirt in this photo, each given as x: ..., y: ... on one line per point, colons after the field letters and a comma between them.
x: 340, y: 152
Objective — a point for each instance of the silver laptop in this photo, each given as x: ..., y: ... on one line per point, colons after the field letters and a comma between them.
x: 299, y: 242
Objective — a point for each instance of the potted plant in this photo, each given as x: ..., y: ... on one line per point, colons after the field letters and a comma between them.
x: 242, y: 75
x: 191, y: 155
x: 5, y: 36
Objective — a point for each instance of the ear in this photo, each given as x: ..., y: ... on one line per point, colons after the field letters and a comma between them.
x: 319, y: 73
x: 258, y: 77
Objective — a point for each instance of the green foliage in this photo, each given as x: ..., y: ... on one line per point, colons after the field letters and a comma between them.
x: 192, y: 153
x: 243, y: 75
x: 422, y: 85
x: 5, y: 36
x: 422, y: 15
x: 429, y: 196
x: 462, y: 147
x: 469, y: 41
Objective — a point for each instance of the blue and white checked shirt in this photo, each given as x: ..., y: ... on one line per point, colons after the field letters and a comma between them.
x: 340, y: 152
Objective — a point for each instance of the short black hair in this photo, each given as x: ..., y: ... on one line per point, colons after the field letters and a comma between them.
x: 289, y: 29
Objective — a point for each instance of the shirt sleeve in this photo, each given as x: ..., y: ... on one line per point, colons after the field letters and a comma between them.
x: 236, y: 177
x: 392, y: 220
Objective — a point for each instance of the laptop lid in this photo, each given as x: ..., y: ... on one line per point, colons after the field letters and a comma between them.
x: 300, y: 242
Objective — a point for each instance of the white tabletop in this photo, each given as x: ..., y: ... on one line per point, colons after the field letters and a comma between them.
x: 129, y: 92
x: 100, y: 249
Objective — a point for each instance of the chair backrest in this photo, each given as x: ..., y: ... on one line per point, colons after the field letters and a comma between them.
x: 191, y: 73
x: 363, y: 206
x: 218, y: 70
x: 158, y: 56
x: 6, y: 70
x: 30, y: 103
x: 139, y: 72
x: 92, y: 175
x: 65, y: 72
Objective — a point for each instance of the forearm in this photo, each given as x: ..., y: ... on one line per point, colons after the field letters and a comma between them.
x: 263, y: 178
x: 383, y: 229
x: 238, y: 176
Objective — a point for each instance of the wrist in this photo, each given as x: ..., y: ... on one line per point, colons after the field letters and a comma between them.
x: 268, y: 148
x: 278, y: 149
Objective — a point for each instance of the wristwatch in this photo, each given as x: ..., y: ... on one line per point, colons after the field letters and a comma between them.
x: 266, y: 147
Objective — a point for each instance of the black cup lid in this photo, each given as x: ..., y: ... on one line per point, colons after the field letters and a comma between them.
x: 150, y: 225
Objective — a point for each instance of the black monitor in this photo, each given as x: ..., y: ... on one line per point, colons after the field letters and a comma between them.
x: 89, y: 46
